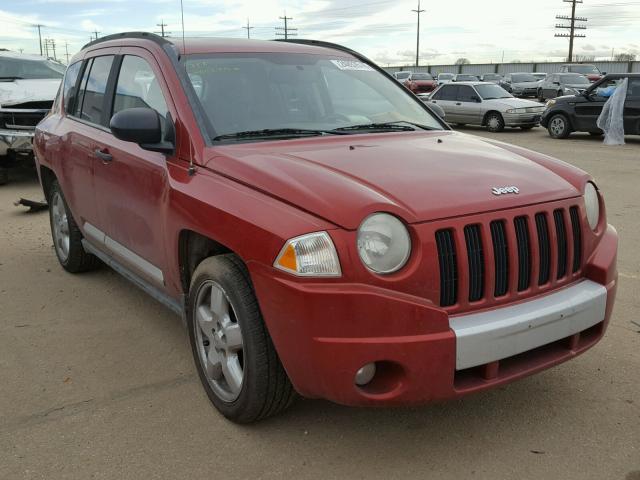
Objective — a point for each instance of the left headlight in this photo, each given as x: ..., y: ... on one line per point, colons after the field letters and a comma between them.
x: 384, y: 244
x: 311, y: 255
x: 592, y: 205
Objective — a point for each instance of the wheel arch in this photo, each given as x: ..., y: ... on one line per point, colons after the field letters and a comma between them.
x: 47, y: 177
x: 193, y: 248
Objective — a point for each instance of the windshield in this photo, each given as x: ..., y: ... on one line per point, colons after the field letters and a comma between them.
x: 523, y: 77
x: 18, y: 68
x: 466, y: 78
x: 421, y: 76
x: 402, y: 75
x: 445, y: 76
x: 491, y: 76
x: 491, y: 92
x: 243, y: 92
x: 584, y: 69
x: 574, y: 79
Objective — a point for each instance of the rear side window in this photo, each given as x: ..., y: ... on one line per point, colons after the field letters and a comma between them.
x: 91, y: 109
x: 447, y: 93
x: 138, y: 87
x: 69, y: 89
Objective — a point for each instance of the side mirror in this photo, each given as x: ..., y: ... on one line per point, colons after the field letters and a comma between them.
x: 143, y: 126
x: 603, y: 73
x: 556, y: 83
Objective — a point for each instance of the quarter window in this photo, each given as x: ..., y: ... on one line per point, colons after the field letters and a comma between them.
x: 93, y: 102
x: 70, y: 81
x: 138, y: 87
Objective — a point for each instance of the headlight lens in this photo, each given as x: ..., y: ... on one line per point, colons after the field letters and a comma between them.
x: 312, y: 255
x: 592, y: 205
x: 384, y: 244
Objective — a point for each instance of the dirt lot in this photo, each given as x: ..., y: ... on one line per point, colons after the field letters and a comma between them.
x: 97, y: 381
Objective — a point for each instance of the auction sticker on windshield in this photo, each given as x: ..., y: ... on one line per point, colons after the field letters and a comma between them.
x: 352, y: 65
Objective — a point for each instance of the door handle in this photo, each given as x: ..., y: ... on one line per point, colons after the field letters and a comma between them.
x: 458, y: 103
x: 103, y: 155
x: 433, y: 101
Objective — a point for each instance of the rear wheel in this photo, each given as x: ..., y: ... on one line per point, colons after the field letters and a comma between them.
x: 234, y: 355
x: 495, y: 122
x: 559, y: 126
x: 67, y: 238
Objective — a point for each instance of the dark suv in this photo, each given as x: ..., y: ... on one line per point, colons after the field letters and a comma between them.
x: 579, y: 113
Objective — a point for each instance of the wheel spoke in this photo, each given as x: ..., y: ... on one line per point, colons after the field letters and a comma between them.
x: 213, y: 365
x: 219, y: 304
x: 205, y: 320
x: 232, y: 373
x: 234, y: 337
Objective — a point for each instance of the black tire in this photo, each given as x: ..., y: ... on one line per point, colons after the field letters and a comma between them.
x: 77, y: 260
x: 494, y: 122
x: 265, y: 389
x: 4, y: 176
x: 558, y: 126
x: 541, y: 95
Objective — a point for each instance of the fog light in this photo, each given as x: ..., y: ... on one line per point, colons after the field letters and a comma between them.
x: 365, y: 374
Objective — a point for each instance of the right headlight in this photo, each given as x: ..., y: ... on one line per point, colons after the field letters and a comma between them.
x: 592, y: 205
x: 384, y: 244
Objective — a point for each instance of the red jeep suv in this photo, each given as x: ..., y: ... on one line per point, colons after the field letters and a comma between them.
x: 318, y: 228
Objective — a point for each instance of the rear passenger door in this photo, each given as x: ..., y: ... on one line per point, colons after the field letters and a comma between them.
x: 86, y: 134
x: 132, y: 186
x: 446, y: 98
x: 468, y: 108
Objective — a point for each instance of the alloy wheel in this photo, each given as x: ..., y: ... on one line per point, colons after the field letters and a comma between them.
x: 219, y: 341
x: 60, y: 227
x: 557, y: 126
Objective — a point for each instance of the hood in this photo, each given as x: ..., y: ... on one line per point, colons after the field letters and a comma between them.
x: 516, y: 102
x: 418, y: 176
x: 20, y: 91
x: 525, y: 84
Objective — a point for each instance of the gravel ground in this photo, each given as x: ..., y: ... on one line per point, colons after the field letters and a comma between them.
x: 98, y: 382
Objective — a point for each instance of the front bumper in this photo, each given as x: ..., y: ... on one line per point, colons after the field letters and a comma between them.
x: 519, y: 119
x: 20, y: 141
x: 324, y: 332
x: 529, y: 92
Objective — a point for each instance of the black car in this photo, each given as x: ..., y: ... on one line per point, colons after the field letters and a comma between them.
x: 579, y: 113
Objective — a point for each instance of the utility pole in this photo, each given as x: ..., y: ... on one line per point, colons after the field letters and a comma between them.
x: 248, y: 29
x: 95, y: 32
x: 572, y: 26
x: 162, y: 25
x: 288, y: 32
x: 418, y: 11
x: 39, y: 37
x: 66, y: 51
x: 53, y: 47
x: 46, y: 48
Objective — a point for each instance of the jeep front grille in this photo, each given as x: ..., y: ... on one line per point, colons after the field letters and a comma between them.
x: 508, y: 256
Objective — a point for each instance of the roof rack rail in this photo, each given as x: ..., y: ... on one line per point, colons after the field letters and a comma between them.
x: 140, y: 35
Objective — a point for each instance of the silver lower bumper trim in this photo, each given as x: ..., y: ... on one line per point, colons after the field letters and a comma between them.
x: 496, y: 334
x: 17, y: 140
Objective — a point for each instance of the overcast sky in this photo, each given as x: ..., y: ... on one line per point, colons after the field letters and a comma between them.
x: 384, y: 30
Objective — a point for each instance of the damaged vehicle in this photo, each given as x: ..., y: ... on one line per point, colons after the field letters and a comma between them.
x: 28, y: 85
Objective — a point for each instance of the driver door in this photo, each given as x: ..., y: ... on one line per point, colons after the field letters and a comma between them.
x: 132, y: 184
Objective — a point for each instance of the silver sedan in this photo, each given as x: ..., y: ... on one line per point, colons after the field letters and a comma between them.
x: 486, y: 104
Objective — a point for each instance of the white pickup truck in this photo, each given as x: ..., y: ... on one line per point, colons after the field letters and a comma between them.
x: 28, y: 85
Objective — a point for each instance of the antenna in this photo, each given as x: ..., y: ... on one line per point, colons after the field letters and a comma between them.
x: 192, y: 168
x: 182, y: 15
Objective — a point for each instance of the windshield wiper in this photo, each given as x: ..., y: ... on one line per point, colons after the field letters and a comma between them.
x: 386, y: 126
x: 10, y: 78
x: 275, y: 132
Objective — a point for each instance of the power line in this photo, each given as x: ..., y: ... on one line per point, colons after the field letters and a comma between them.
x: 162, y: 32
x: 288, y: 32
x: 418, y: 11
x: 248, y: 29
x: 572, y: 26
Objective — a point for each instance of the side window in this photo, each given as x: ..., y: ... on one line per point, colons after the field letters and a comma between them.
x: 438, y: 95
x: 138, y: 87
x: 633, y: 90
x: 465, y: 93
x: 69, y: 86
x: 450, y: 92
x: 81, y: 88
x: 93, y: 102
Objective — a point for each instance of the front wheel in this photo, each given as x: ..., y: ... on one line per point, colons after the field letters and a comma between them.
x: 495, y: 122
x: 540, y: 95
x: 559, y: 126
x: 234, y: 355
